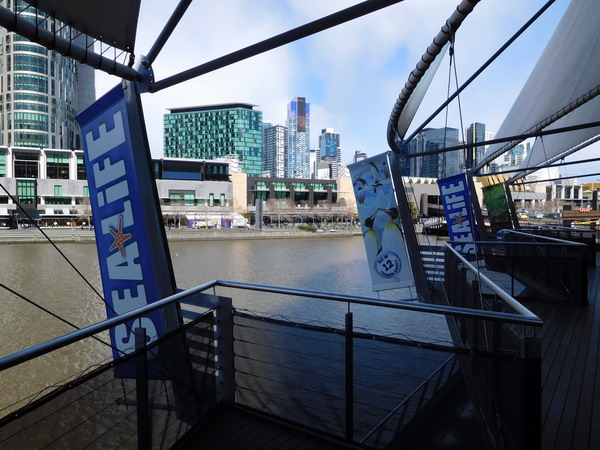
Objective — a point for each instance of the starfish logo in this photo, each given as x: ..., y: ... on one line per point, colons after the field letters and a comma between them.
x: 120, y: 238
x: 459, y: 219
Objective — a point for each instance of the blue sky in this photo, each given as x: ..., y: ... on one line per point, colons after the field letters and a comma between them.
x: 350, y: 75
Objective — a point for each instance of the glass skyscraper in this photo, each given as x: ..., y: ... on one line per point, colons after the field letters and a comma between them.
x: 298, y: 125
x: 213, y: 131
x: 41, y: 90
x: 437, y: 165
x: 275, y: 151
x: 475, y: 133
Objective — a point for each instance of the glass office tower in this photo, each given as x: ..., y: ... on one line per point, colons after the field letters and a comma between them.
x: 213, y: 131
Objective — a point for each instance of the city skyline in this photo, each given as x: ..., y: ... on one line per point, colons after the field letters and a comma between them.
x: 352, y: 74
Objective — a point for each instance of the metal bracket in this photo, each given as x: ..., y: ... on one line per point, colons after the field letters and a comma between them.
x: 144, y: 68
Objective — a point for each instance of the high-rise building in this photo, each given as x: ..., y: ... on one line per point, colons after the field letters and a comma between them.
x: 436, y: 165
x: 329, y: 141
x: 359, y: 156
x: 516, y: 155
x: 475, y: 133
x: 331, y: 152
x: 275, y: 151
x: 41, y: 90
x: 214, y: 131
x: 298, y: 125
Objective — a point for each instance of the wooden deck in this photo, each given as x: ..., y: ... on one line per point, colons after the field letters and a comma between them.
x: 570, y: 377
x: 233, y: 427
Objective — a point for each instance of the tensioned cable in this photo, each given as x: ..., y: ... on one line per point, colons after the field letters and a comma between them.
x: 122, y: 352
x: 485, y: 65
x: 47, y: 311
x: 56, y: 247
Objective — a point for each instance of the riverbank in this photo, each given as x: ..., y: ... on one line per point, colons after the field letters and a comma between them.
x: 77, y: 235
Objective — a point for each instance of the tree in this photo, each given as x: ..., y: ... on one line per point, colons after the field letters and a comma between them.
x: 414, y: 211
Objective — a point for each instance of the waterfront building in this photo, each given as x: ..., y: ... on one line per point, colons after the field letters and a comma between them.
x: 51, y: 185
x: 42, y: 91
x: 437, y: 165
x: 275, y: 151
x: 298, y: 125
x: 213, y: 131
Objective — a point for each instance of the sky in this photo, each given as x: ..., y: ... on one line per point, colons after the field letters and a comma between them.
x: 350, y: 75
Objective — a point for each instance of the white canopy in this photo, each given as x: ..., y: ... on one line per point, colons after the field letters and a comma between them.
x: 568, y: 69
x: 111, y: 21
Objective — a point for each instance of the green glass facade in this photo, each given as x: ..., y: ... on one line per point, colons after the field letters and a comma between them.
x: 209, y: 132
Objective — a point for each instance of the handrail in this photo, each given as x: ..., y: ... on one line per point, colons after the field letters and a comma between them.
x: 77, y: 335
x: 62, y: 341
x: 496, y: 289
x: 562, y: 241
x: 521, y: 319
x: 507, y: 243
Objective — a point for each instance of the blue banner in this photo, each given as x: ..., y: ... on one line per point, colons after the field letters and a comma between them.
x: 459, y: 215
x: 128, y: 265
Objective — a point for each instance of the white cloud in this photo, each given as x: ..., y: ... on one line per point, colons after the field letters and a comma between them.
x: 351, y: 75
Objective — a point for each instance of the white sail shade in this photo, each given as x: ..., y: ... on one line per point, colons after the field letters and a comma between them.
x: 568, y: 68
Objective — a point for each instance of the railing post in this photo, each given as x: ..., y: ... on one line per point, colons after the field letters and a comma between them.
x: 224, y: 335
x: 141, y: 388
x: 532, y: 402
x: 349, y: 379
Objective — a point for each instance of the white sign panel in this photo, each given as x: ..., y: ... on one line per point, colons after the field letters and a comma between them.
x: 378, y: 213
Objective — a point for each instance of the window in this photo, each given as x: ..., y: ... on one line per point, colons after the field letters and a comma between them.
x: 86, y: 191
x: 2, y: 164
x: 222, y: 199
x: 26, y: 165
x: 81, y: 173
x: 188, y: 198
x: 211, y: 199
x: 58, y: 190
x: 26, y: 194
x: 57, y: 167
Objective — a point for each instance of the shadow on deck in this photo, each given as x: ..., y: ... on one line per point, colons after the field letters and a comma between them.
x: 237, y: 427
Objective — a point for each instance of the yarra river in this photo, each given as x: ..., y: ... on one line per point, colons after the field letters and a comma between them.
x: 38, y: 273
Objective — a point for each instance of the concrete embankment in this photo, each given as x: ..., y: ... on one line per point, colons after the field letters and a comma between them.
x: 77, y: 235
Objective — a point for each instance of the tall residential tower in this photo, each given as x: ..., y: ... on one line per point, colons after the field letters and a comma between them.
x: 275, y: 151
x: 298, y: 125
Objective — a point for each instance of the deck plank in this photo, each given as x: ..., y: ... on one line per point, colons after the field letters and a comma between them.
x: 570, y: 358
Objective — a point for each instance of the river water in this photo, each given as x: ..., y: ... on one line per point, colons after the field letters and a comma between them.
x: 37, y: 272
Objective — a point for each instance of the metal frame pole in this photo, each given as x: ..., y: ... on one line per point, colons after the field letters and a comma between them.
x: 412, y: 245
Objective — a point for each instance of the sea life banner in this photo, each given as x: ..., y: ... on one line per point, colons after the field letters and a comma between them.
x: 496, y: 202
x: 126, y: 242
x: 454, y: 192
x: 378, y: 213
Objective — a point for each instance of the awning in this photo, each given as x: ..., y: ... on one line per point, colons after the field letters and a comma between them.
x: 111, y: 21
x: 568, y: 71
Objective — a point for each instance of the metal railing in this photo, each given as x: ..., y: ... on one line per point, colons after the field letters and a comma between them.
x: 333, y: 376
x: 553, y: 269
x: 502, y: 371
